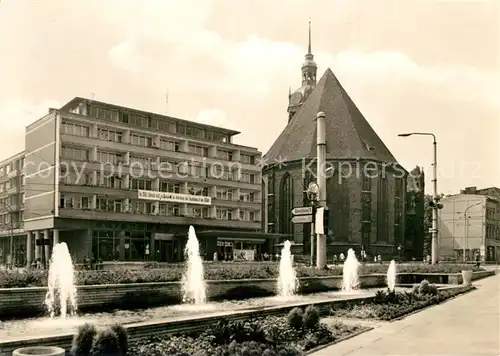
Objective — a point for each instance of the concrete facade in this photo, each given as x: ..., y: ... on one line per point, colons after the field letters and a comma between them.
x: 470, y: 223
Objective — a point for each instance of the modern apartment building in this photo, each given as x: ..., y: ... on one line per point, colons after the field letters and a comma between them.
x: 12, y: 236
x: 470, y: 223
x: 116, y: 183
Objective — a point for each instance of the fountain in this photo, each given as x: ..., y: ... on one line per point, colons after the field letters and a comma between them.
x: 193, y: 280
x: 350, y: 280
x: 287, y: 280
x: 391, y: 277
x: 61, y: 284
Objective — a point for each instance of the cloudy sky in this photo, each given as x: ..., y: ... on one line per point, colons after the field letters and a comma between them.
x: 412, y: 65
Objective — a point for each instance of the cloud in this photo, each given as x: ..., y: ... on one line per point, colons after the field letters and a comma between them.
x: 214, y: 117
x: 15, y: 115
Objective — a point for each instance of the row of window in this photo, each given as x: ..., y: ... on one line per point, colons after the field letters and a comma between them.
x: 492, y: 214
x: 11, y: 200
x: 148, y: 141
x: 493, y: 232
x: 11, y: 219
x: 116, y: 182
x: 11, y: 166
x: 4, y: 186
x: 149, y: 122
x: 146, y: 163
x: 149, y: 208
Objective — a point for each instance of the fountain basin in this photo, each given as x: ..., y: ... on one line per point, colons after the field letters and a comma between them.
x: 39, y: 350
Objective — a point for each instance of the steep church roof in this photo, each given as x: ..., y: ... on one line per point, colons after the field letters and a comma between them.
x: 348, y: 134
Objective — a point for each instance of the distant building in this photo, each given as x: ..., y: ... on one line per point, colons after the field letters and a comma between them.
x: 366, y: 190
x: 12, y: 196
x: 415, y: 212
x: 117, y: 183
x: 470, y: 223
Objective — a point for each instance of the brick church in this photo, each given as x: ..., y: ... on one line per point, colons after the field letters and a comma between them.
x: 366, y: 190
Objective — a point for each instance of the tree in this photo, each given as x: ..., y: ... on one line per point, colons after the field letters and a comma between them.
x: 428, y: 224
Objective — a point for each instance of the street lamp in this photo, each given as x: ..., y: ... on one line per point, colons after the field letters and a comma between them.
x: 435, y: 203
x: 313, y: 197
x: 466, y: 229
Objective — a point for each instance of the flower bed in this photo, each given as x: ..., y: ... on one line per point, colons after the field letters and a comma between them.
x: 389, y: 305
x: 291, y: 335
x: 269, y: 336
x: 38, y: 278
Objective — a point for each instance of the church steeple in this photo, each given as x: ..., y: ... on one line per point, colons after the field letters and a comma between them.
x: 309, y: 68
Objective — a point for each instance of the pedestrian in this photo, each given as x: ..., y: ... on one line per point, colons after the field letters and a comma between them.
x: 478, y: 259
x: 335, y: 260
x: 342, y: 257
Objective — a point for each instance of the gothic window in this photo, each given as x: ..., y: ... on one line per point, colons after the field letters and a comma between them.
x: 382, y: 210
x: 367, y: 184
x: 285, y: 199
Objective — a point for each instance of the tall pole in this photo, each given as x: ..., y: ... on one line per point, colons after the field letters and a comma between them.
x: 434, y: 208
x: 312, y: 239
x: 465, y: 235
x: 321, y: 180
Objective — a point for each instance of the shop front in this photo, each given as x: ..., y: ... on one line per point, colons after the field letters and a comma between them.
x: 222, y: 245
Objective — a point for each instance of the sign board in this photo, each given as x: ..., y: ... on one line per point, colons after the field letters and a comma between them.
x: 173, y: 197
x: 319, y: 228
x: 42, y: 242
x: 303, y: 210
x: 302, y: 219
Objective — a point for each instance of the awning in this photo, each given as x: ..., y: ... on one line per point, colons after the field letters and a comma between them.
x: 164, y: 237
x: 242, y: 239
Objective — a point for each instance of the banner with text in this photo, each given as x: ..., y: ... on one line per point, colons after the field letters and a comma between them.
x: 174, y: 197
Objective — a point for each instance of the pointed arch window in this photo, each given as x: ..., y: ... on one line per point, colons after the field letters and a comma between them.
x: 286, y: 204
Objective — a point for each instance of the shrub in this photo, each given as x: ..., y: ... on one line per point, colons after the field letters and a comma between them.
x: 424, y: 287
x: 311, y: 317
x: 295, y: 317
x: 122, y: 337
x: 213, y: 271
x: 82, y: 341
x: 416, y: 289
x: 106, y: 343
x: 269, y: 352
x: 433, y: 289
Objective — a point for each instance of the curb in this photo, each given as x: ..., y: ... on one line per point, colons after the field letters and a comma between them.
x: 399, y: 318
x: 363, y: 330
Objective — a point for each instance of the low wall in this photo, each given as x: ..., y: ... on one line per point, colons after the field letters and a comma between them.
x: 142, y: 330
x: 30, y: 301
x: 439, y: 278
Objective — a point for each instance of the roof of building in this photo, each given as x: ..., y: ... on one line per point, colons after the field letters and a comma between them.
x: 348, y: 134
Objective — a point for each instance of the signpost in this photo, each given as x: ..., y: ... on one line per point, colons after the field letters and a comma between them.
x: 303, y: 210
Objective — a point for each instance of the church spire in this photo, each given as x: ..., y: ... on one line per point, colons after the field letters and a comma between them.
x: 309, y: 46
x: 309, y: 68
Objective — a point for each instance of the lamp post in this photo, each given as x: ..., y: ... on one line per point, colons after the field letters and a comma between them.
x: 312, y: 196
x: 466, y: 229
x: 435, y: 205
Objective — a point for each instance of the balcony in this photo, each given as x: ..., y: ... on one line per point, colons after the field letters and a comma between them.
x: 90, y: 214
x: 171, y: 176
x: 150, y: 151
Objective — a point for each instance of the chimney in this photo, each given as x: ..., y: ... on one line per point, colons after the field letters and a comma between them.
x: 470, y: 190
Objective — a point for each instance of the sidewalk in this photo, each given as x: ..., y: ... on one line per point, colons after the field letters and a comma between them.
x: 468, y: 325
